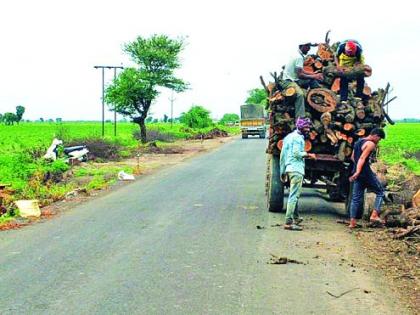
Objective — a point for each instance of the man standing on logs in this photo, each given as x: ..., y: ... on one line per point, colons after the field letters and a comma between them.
x: 294, y: 76
x: 349, y: 55
x: 363, y: 177
x: 292, y: 165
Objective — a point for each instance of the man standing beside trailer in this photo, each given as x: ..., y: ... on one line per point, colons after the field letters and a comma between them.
x: 292, y: 165
x: 363, y: 177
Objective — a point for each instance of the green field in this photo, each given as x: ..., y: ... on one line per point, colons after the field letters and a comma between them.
x: 22, y: 146
x: 402, y: 145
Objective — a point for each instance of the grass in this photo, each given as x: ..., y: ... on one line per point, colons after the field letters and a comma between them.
x: 22, y: 147
x: 402, y: 145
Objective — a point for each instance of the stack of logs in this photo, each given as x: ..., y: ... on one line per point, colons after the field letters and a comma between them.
x: 336, y: 126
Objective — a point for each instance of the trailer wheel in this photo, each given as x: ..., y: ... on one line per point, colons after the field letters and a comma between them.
x: 274, y: 186
x: 362, y: 208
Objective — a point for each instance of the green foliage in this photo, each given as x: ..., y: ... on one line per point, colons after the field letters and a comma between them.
x: 19, y: 113
x: 229, y: 118
x: 132, y: 93
x: 402, y: 146
x: 196, y: 117
x: 257, y: 97
x: 9, y: 118
x: 98, y: 182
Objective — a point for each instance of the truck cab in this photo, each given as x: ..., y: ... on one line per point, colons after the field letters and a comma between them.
x: 252, y: 121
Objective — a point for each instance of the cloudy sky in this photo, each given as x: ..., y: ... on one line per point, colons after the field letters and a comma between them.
x: 49, y: 49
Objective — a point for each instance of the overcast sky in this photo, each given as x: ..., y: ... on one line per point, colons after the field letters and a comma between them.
x: 49, y: 49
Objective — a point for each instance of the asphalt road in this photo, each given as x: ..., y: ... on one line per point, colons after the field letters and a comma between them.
x: 184, y: 241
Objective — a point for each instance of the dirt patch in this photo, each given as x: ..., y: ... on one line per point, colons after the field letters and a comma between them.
x: 397, y: 260
x: 214, y: 133
x: 412, y: 155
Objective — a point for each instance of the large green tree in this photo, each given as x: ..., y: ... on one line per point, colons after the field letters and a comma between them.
x: 9, y: 118
x: 196, y: 117
x: 133, y: 91
x: 257, y: 97
x: 20, y: 110
x: 229, y: 118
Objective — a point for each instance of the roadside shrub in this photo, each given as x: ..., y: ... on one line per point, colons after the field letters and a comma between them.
x: 155, y: 135
x: 197, y: 117
x: 99, y: 149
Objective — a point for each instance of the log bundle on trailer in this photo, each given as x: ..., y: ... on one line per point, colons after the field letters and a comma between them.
x: 336, y: 126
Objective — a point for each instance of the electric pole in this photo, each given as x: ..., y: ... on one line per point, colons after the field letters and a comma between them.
x: 103, y: 96
x: 172, y: 99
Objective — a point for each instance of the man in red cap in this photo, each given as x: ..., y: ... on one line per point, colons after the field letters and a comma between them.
x: 349, y: 54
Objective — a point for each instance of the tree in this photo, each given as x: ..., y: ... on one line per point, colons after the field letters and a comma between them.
x: 229, y: 118
x: 19, y: 113
x: 149, y: 119
x: 257, y: 97
x: 1, y: 118
x: 134, y: 90
x: 9, y: 118
x: 196, y: 117
x: 165, y: 118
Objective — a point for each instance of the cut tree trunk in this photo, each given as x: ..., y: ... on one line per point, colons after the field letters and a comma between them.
x: 322, y: 100
x: 349, y: 127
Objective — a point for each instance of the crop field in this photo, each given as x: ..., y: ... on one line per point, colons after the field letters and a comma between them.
x: 402, y: 145
x: 23, y: 145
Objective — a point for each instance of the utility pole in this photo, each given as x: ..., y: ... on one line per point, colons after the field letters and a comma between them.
x: 172, y: 99
x: 103, y: 96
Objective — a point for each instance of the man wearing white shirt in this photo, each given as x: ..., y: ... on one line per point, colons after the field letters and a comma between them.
x: 296, y: 77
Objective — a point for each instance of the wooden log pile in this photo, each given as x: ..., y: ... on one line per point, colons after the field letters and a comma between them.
x: 336, y: 126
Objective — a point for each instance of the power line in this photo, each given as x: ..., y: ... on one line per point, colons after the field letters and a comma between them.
x: 172, y: 99
x: 103, y: 96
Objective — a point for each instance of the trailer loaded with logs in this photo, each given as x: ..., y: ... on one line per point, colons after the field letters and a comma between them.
x: 336, y: 126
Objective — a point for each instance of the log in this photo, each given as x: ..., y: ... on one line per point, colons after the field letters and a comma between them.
x: 341, y: 151
x: 325, y: 53
x: 277, y: 97
x: 416, y: 199
x: 350, y: 73
x: 264, y: 85
x: 337, y: 124
x: 317, y: 126
x: 409, y: 231
x: 335, y: 87
x: 349, y: 127
x: 308, y: 69
x: 367, y: 91
x: 271, y: 87
x: 318, y: 65
x: 365, y: 125
x: 313, y: 134
x: 331, y: 135
x: 338, y: 135
x: 348, y: 151
x: 289, y: 92
x: 360, y: 132
x: 326, y: 119
x: 322, y: 100
x: 360, y: 113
